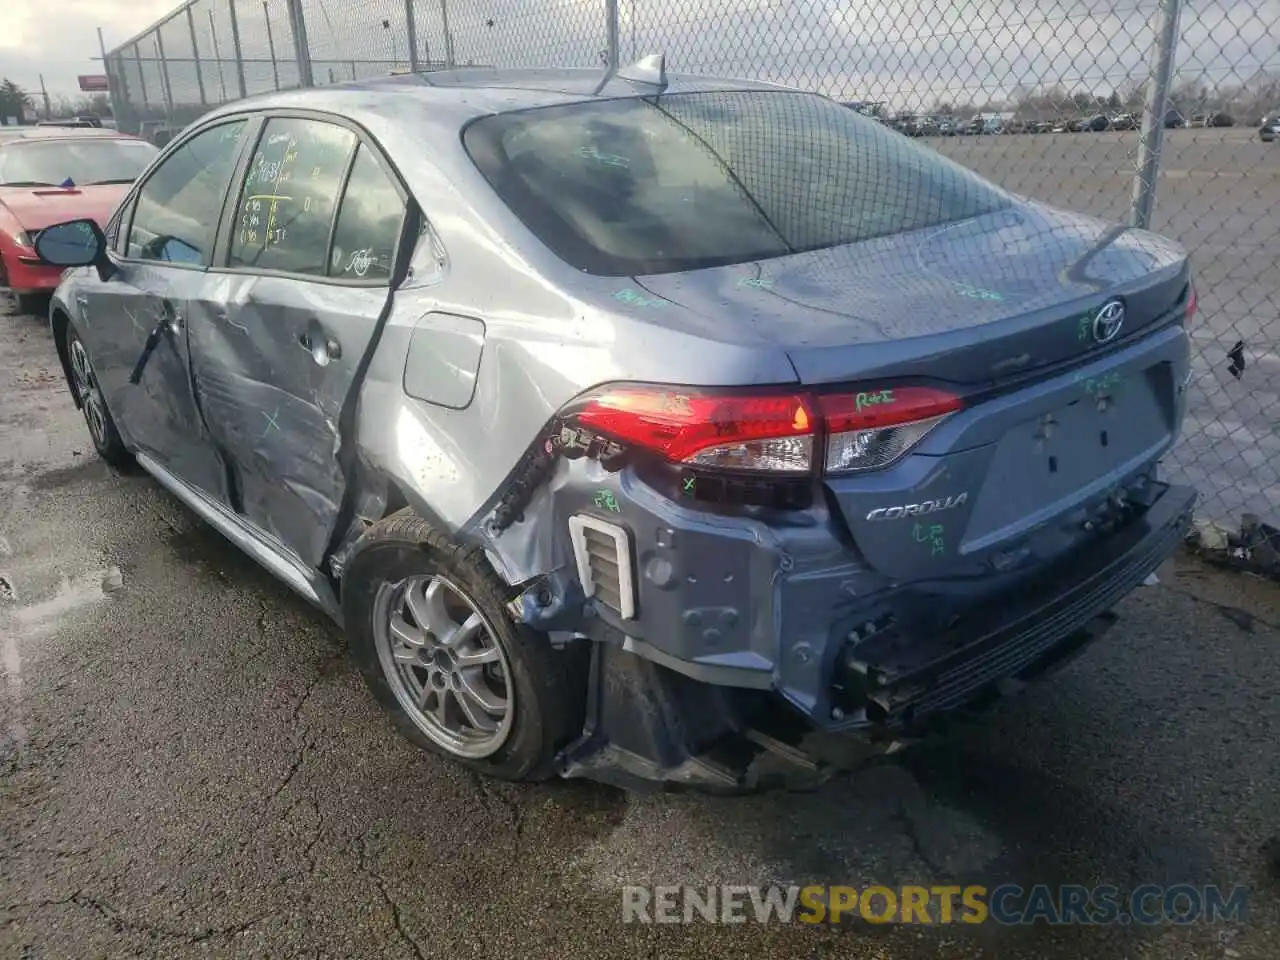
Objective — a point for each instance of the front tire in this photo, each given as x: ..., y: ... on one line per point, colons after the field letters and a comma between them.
x: 24, y: 303
x: 93, y: 404
x: 430, y: 632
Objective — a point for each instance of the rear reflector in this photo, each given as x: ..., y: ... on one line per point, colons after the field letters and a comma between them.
x: 765, y: 431
x: 602, y: 552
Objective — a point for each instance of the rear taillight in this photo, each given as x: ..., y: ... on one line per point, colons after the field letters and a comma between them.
x: 1192, y: 302
x: 870, y: 430
x: 775, y: 431
x: 771, y: 432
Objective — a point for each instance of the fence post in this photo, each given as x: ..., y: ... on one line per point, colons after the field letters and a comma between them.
x: 611, y: 34
x: 117, y: 88
x: 271, y: 44
x: 1152, y: 138
x: 142, y: 78
x: 165, y: 89
x: 301, y: 49
x: 448, y: 37
x: 195, y: 54
x: 235, y: 46
x: 217, y: 55
x: 411, y: 27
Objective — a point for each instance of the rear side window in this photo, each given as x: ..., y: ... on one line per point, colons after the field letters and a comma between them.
x: 368, y: 228
x: 685, y: 181
x: 286, y: 205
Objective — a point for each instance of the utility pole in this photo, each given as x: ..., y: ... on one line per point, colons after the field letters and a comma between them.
x: 44, y: 95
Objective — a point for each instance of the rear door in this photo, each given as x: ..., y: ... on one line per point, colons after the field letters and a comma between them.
x: 163, y: 241
x: 280, y: 339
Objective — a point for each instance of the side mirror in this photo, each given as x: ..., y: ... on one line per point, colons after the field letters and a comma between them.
x: 76, y: 243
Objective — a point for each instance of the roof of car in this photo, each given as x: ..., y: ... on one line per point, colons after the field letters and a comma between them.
x: 59, y: 133
x: 458, y: 95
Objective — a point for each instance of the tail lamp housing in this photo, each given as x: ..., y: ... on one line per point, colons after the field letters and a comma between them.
x: 779, y: 432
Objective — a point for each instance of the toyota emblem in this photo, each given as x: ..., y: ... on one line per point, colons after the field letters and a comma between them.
x: 1108, y: 321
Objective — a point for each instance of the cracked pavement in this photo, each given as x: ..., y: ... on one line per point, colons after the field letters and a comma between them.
x: 189, y: 767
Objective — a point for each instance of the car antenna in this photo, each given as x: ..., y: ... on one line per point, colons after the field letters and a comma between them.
x: 650, y: 70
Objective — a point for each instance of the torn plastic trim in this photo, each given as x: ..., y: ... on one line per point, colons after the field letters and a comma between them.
x: 535, y: 468
x: 649, y: 728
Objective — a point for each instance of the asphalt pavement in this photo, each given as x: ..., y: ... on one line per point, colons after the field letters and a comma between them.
x: 190, y: 767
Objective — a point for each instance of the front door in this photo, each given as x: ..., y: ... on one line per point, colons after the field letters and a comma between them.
x: 166, y: 234
x: 277, y: 349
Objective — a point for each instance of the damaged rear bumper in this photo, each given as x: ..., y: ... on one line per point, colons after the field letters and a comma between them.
x: 884, y: 679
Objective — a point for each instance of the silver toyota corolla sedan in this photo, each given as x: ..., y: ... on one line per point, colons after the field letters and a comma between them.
x: 645, y: 428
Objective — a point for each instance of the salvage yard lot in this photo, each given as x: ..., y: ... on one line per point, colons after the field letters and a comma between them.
x: 1219, y: 195
x: 190, y: 767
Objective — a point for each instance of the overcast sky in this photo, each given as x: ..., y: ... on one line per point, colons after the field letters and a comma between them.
x: 57, y: 37
x: 906, y: 51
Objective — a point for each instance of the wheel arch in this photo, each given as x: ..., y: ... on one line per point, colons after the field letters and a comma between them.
x: 59, y: 324
x: 380, y: 497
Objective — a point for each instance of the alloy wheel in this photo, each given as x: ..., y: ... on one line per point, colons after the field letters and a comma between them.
x: 85, y: 383
x: 444, y: 664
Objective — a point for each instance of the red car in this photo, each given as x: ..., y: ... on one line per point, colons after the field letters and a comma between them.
x: 52, y: 174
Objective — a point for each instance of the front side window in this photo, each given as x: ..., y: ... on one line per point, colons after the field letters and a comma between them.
x: 286, y: 204
x: 368, y: 228
x: 73, y: 161
x: 685, y: 181
x: 179, y: 205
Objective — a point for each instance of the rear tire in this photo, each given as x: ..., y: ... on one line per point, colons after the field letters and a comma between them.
x: 93, y: 404
x: 501, y: 701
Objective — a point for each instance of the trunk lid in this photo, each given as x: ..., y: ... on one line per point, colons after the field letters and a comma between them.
x: 971, y: 303
x: 1060, y: 431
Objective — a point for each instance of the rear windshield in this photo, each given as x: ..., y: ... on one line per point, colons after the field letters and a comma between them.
x: 692, y: 180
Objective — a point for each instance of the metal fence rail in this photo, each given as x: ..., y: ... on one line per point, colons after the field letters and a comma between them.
x: 1152, y: 82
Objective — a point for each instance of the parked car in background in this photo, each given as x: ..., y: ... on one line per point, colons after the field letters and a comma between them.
x: 157, y: 132
x: 72, y: 122
x: 947, y: 126
x: 578, y: 510
x: 1220, y: 119
x: 907, y: 124
x: 1269, y: 128
x: 1123, y: 121
x: 1173, y: 119
x: 49, y: 174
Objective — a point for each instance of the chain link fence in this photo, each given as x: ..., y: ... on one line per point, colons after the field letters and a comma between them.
x: 1143, y: 111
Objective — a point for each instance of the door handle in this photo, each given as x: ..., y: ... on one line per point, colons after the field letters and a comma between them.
x: 173, y: 316
x: 322, y: 348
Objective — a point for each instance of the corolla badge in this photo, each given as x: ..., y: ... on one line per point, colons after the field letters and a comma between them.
x: 919, y: 509
x: 1108, y: 321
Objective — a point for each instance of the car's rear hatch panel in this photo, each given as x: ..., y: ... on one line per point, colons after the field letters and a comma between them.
x: 1060, y: 426
x: 974, y: 302
x: 1022, y: 476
